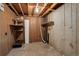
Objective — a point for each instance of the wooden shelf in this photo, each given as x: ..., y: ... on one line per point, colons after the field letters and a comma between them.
x: 47, y: 24
x: 18, y: 30
x: 16, y: 25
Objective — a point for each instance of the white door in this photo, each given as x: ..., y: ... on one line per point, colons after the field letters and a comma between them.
x: 26, y: 28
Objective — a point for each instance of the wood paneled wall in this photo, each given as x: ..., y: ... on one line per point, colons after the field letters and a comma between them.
x: 6, y: 38
x: 34, y: 29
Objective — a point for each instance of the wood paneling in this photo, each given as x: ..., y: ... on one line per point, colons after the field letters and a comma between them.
x: 6, y: 40
x: 35, y: 29
x: 0, y: 36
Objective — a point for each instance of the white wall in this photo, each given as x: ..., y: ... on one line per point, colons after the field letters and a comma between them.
x: 26, y: 28
x: 63, y: 34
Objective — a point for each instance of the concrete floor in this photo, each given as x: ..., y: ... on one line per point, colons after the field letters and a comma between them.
x: 34, y: 49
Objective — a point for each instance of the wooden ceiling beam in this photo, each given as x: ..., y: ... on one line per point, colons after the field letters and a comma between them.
x: 45, y: 8
x: 30, y: 10
x: 13, y: 9
x: 49, y: 9
x: 27, y: 8
x: 21, y: 9
x: 24, y: 8
x: 53, y: 7
x: 33, y: 11
x: 58, y: 5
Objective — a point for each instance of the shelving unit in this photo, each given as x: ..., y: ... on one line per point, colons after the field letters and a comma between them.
x: 16, y: 25
x: 45, y: 30
x: 17, y: 30
x: 47, y: 24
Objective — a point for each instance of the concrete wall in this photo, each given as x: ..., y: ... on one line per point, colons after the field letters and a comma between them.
x: 77, y: 30
x: 64, y: 34
x: 6, y: 41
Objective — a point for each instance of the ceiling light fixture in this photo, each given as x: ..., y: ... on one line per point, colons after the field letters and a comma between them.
x: 36, y: 11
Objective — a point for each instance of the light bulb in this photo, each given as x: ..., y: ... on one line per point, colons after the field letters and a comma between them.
x: 36, y: 10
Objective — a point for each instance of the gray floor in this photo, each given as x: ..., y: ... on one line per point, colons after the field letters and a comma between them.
x: 34, y: 49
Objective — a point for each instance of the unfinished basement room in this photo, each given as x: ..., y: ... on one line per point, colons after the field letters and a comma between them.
x: 39, y: 29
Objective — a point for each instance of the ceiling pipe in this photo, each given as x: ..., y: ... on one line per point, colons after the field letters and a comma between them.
x: 14, y: 9
x: 49, y: 9
x: 21, y: 9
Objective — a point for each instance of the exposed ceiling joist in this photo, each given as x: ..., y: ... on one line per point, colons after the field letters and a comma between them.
x: 21, y: 9
x: 45, y: 8
x: 49, y: 9
x: 24, y: 8
x: 33, y: 11
x: 53, y: 7
x: 30, y: 10
x: 14, y: 9
x: 58, y: 5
